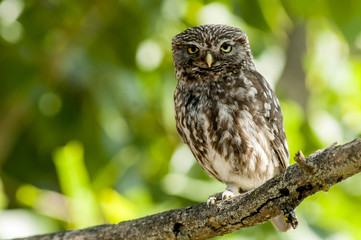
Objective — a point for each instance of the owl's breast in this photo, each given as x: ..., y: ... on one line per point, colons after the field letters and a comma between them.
x: 221, y: 130
x: 189, y: 121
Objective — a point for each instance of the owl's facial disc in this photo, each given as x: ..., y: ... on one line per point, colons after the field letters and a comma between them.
x: 208, y: 56
x: 211, y: 57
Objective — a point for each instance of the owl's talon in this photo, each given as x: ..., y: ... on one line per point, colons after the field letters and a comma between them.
x: 227, y: 194
x: 211, y: 200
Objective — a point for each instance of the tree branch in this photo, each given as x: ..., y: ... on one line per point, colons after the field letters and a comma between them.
x: 321, y: 170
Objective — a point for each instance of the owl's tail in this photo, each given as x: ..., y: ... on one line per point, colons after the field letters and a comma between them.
x: 280, y: 224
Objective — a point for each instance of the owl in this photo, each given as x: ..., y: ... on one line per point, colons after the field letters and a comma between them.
x: 226, y: 112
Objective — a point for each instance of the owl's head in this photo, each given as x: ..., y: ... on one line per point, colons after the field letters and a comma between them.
x: 211, y: 48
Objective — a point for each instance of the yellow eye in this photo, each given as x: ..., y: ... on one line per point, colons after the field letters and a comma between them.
x: 226, y: 48
x: 193, y: 50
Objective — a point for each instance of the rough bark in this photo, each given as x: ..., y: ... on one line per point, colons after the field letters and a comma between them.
x: 319, y: 172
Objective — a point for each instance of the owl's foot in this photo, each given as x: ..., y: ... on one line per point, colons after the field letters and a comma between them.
x: 213, y: 199
x: 231, y: 191
x: 228, y: 194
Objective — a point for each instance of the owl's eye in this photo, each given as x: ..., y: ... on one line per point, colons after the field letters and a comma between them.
x: 226, y: 48
x: 192, y: 50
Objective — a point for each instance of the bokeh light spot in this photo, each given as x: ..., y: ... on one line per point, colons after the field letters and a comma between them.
x: 149, y: 55
x: 12, y: 33
x: 10, y: 10
x: 182, y: 159
x: 214, y: 13
x: 50, y: 104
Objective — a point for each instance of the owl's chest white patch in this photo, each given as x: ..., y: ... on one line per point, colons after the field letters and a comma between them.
x: 246, y: 170
x: 220, y: 166
x: 258, y: 145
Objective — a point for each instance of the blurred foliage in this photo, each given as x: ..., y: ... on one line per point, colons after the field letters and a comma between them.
x: 87, y: 134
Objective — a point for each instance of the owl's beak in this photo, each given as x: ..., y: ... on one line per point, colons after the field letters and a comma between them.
x: 209, y: 59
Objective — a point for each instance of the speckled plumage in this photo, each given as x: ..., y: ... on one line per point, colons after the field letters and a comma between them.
x: 225, y: 111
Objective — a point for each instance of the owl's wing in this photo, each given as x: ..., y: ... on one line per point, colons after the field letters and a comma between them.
x: 281, y: 153
x: 271, y: 113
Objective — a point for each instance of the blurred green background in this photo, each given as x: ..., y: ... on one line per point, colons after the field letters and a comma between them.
x: 87, y: 133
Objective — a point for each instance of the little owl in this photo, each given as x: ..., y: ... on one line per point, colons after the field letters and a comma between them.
x: 226, y: 112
